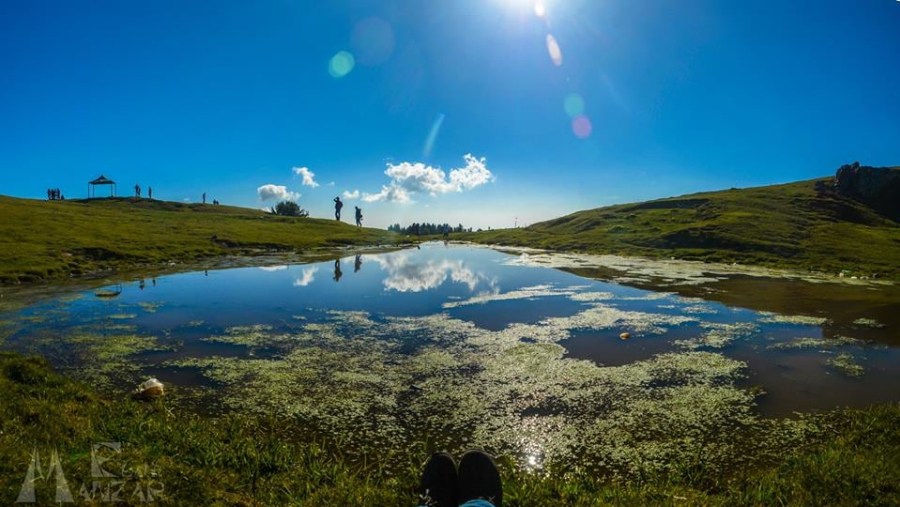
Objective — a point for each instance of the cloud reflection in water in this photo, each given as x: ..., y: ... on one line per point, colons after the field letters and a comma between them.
x: 408, y: 275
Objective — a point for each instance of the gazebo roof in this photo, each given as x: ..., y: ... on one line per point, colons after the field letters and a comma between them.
x: 102, y: 180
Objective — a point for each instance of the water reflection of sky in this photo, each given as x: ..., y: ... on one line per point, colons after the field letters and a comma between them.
x: 439, y: 278
x: 402, y: 283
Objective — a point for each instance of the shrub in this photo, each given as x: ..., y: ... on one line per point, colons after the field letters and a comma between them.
x: 289, y: 209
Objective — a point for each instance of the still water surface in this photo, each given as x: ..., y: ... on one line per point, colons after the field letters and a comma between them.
x: 464, y: 329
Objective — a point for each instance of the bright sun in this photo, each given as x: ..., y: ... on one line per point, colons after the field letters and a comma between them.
x: 539, y: 7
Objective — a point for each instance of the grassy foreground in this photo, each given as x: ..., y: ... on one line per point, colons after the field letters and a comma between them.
x: 43, y: 240
x: 802, y: 225
x: 180, y: 458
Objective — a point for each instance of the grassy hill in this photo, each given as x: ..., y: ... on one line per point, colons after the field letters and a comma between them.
x: 43, y: 240
x: 803, y: 225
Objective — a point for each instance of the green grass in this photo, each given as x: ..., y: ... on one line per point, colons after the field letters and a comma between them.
x: 45, y: 241
x: 800, y: 225
x: 244, y: 460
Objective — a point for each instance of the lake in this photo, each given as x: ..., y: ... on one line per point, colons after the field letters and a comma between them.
x: 450, y: 346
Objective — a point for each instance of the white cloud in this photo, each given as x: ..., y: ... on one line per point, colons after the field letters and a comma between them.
x: 308, y: 176
x: 474, y: 174
x: 388, y: 193
x: 273, y: 268
x: 269, y: 191
x: 351, y: 195
x: 408, y: 179
x: 330, y: 183
x: 307, y: 277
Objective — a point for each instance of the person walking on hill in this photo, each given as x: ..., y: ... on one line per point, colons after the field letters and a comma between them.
x: 149, y: 192
x: 337, y: 208
x: 137, y: 190
x: 358, y: 216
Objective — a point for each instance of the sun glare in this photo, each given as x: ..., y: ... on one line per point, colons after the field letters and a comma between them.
x: 537, y: 5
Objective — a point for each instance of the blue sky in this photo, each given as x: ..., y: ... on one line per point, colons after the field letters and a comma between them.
x: 227, y: 97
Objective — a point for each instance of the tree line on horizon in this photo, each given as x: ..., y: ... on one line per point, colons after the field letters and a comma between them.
x: 425, y: 229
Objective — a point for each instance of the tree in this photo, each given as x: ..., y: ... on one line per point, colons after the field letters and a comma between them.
x: 289, y: 209
x: 427, y: 229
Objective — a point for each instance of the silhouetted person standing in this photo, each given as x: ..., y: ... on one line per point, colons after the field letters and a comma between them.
x: 137, y: 190
x: 337, y: 208
x: 204, y: 197
x: 358, y: 216
x: 149, y: 192
x: 337, y: 270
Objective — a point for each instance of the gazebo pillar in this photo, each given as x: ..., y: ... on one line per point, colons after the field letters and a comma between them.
x: 102, y: 180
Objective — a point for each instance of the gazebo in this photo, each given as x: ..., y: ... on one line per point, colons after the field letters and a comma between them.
x: 102, y: 180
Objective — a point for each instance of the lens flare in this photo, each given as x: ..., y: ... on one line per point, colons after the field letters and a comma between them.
x: 372, y: 41
x: 573, y: 105
x: 554, y: 50
x: 432, y: 135
x: 582, y: 127
x: 341, y: 64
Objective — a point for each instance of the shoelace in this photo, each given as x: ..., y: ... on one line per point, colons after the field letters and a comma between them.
x: 426, y: 500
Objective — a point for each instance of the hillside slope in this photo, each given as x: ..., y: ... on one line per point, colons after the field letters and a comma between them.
x: 43, y: 240
x: 804, y: 225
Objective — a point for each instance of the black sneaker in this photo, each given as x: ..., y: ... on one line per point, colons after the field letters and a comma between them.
x: 438, y: 486
x: 479, y: 478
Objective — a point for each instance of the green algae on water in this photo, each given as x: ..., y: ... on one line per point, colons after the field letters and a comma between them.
x: 107, y: 359
x: 121, y: 316
x: 523, y: 293
x: 718, y: 335
x: 846, y: 364
x: 589, y: 297
x: 357, y: 380
x: 804, y: 320
x: 150, y: 307
x: 7, y: 329
x: 251, y: 336
x: 806, y: 342
x: 864, y: 322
